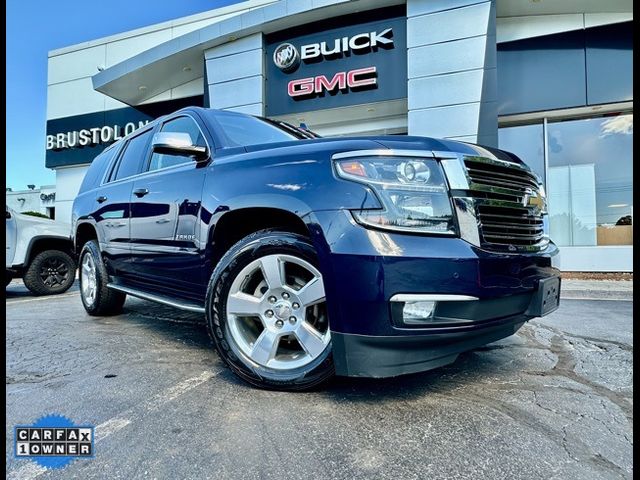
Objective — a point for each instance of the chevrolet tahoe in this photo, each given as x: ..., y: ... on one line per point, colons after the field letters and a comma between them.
x: 312, y: 257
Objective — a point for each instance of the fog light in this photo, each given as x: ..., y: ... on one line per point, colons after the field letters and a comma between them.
x: 417, y: 312
x: 419, y: 309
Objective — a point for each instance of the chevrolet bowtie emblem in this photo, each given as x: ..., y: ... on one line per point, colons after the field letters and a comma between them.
x: 531, y: 199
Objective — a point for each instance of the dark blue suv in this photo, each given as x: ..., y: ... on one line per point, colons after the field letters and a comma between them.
x: 365, y: 256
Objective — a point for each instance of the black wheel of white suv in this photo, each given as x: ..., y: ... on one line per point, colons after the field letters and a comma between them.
x: 267, y: 315
x: 96, y: 297
x: 50, y: 272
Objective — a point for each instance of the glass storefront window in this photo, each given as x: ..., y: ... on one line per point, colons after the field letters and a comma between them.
x: 527, y: 142
x: 589, y: 181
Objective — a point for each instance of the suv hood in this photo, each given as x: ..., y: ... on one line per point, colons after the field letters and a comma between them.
x: 392, y: 142
x: 427, y: 143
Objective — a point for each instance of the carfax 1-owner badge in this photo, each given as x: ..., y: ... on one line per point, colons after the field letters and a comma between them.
x: 53, y: 441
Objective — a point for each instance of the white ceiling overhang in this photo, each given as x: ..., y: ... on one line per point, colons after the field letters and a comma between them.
x: 181, y: 59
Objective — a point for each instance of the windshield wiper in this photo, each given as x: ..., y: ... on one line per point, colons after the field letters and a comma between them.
x: 297, y: 130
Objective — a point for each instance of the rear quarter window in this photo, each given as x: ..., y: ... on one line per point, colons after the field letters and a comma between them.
x: 97, y: 168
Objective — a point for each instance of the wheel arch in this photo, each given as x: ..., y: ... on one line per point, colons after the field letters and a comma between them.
x: 43, y: 243
x: 84, y: 232
x: 236, y: 224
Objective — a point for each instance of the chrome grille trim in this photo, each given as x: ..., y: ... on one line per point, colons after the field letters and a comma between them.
x: 499, y: 177
x: 455, y: 172
x: 500, y: 181
x: 505, y: 218
x: 467, y: 219
x: 491, y: 201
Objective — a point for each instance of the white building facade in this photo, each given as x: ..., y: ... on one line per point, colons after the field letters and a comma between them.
x: 549, y: 81
x: 41, y: 200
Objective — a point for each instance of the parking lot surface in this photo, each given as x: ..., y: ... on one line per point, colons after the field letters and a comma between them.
x: 552, y: 402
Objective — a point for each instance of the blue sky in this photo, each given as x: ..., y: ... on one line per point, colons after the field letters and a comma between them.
x: 36, y: 26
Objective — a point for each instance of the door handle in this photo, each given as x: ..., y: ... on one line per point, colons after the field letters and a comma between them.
x: 163, y: 220
x: 140, y: 192
x: 101, y: 199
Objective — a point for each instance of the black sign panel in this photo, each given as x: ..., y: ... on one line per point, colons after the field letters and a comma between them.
x: 79, y: 139
x: 343, y: 64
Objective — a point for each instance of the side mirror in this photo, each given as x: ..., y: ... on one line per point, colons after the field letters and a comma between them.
x: 8, y: 214
x: 177, y: 143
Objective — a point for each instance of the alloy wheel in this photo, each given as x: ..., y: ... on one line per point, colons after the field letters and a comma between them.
x: 54, y: 272
x: 88, y: 279
x: 276, y: 312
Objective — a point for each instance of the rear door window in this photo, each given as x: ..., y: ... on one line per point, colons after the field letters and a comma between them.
x: 134, y: 156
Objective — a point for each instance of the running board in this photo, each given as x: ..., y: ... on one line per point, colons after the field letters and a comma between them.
x: 188, y: 306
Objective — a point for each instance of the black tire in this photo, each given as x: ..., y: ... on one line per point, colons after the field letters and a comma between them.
x: 9, y: 278
x: 252, y: 247
x: 51, y: 272
x: 107, y: 301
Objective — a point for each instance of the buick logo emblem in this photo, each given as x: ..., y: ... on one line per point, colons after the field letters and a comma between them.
x: 286, y: 57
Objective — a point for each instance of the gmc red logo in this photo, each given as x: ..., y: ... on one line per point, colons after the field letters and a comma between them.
x: 360, y: 78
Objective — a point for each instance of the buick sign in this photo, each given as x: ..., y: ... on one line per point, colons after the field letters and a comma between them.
x: 287, y: 58
x: 362, y: 42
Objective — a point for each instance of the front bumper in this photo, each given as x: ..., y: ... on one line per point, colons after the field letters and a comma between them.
x: 363, y: 269
x: 389, y: 356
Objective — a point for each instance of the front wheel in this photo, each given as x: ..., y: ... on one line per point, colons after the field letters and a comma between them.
x: 267, y: 314
x: 96, y: 297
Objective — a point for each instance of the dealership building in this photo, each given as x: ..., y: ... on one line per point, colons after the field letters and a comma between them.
x: 548, y: 80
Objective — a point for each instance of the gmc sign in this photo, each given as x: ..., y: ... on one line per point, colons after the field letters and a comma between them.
x: 359, y: 78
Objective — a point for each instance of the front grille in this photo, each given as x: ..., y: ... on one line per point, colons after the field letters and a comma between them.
x: 492, y: 175
x: 507, y: 219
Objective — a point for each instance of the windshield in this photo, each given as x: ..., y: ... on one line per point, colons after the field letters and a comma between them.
x: 244, y: 130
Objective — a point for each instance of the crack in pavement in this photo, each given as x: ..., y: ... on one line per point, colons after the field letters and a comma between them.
x: 566, y: 367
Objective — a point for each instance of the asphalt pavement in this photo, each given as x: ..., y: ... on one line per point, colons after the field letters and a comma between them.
x: 553, y: 401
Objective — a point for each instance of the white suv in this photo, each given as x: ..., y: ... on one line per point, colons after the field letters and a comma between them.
x: 41, y: 252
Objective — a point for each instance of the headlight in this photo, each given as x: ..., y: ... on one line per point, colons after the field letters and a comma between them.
x: 413, y: 192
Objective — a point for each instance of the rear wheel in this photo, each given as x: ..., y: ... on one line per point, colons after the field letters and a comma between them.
x: 50, y: 272
x: 267, y: 314
x: 96, y: 297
